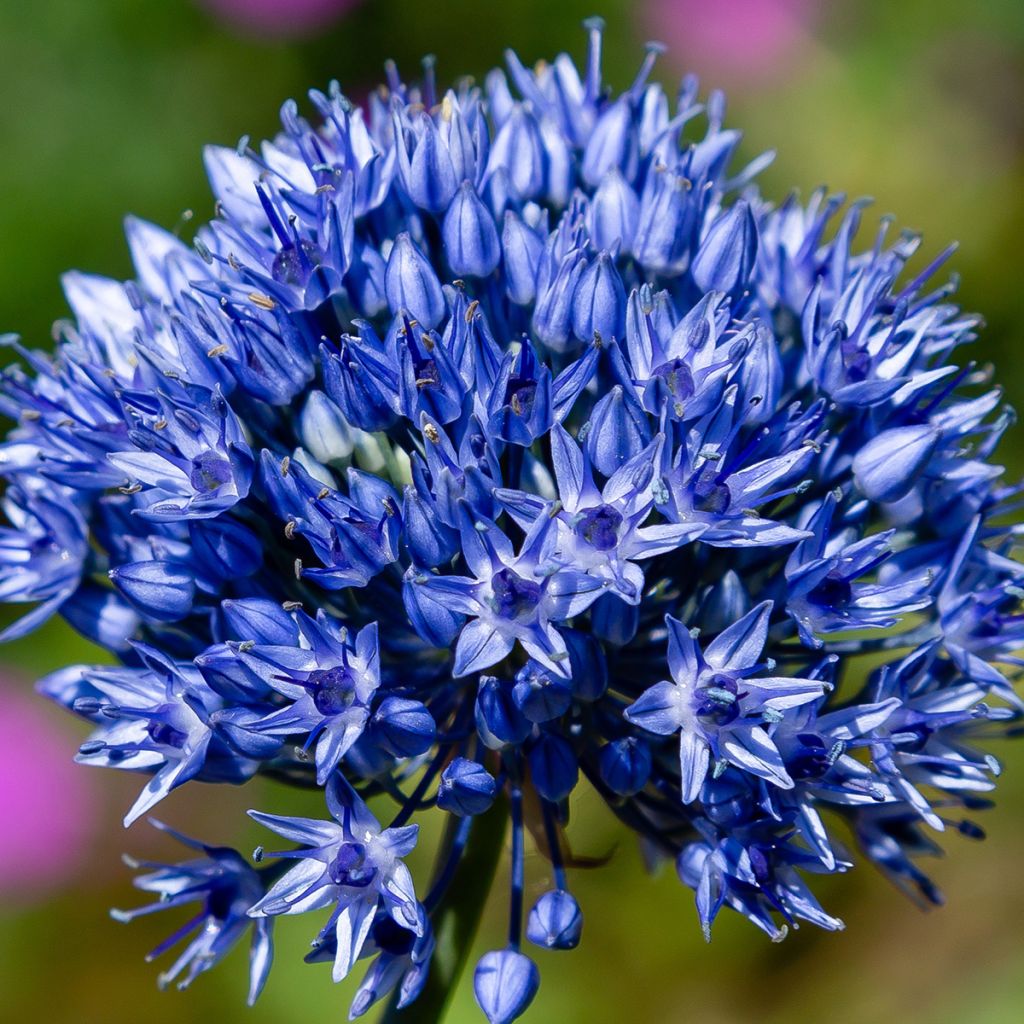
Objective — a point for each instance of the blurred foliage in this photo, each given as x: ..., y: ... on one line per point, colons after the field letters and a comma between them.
x: 105, y: 107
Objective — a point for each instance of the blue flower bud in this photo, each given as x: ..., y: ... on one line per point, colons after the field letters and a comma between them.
x: 430, y: 541
x: 518, y: 149
x: 234, y: 725
x: 613, y: 620
x: 227, y: 675
x: 727, y: 253
x: 553, y: 314
x: 366, y: 281
x: 625, y: 765
x: 497, y: 194
x: 889, y: 464
x: 760, y: 375
x: 612, y: 145
x: 466, y: 788
x: 405, y: 728
x: 587, y: 665
x: 665, y: 224
x: 505, y: 983
x: 559, y: 165
x: 430, y: 178
x: 102, y: 616
x: 499, y: 722
x: 555, y: 921
x: 224, y: 548
x: 727, y: 801
x: 470, y: 237
x: 412, y: 284
x: 467, y: 144
x: 325, y: 432
x: 618, y: 430
x: 161, y: 590
x: 540, y: 695
x: 725, y: 602
x: 435, y: 623
x: 259, y: 618
x: 613, y: 214
x: 553, y: 767
x: 599, y: 305
x: 522, y: 248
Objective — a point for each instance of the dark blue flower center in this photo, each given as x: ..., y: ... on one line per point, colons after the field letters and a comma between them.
x: 43, y: 545
x: 209, y: 471
x: 677, y: 379
x: 718, y: 701
x: 351, y: 866
x: 220, y: 901
x: 709, y: 495
x: 512, y: 595
x: 858, y: 365
x: 427, y: 373
x: 519, y: 395
x: 600, y: 527
x: 292, y: 267
x: 831, y: 592
x: 391, y: 937
x: 333, y: 689
x: 165, y: 735
x: 914, y: 738
x: 813, y: 758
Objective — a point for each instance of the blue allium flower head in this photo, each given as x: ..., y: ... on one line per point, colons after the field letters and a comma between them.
x: 497, y: 441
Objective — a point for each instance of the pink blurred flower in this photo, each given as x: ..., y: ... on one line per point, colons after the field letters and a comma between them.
x: 279, y: 17
x: 733, y: 38
x: 46, y: 801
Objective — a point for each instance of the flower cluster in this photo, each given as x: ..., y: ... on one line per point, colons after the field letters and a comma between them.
x: 496, y: 439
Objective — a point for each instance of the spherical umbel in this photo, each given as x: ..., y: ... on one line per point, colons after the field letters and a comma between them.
x: 500, y: 440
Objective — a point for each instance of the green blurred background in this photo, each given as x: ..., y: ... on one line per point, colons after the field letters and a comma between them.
x: 104, y: 105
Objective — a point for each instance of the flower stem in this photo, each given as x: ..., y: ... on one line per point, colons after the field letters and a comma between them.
x: 458, y: 915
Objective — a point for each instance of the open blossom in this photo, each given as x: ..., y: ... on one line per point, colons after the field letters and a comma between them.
x: 225, y: 886
x: 350, y: 865
x: 330, y: 680
x: 498, y: 440
x: 722, y: 710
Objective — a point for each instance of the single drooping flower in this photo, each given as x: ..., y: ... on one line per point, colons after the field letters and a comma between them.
x: 500, y: 440
x: 225, y: 886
